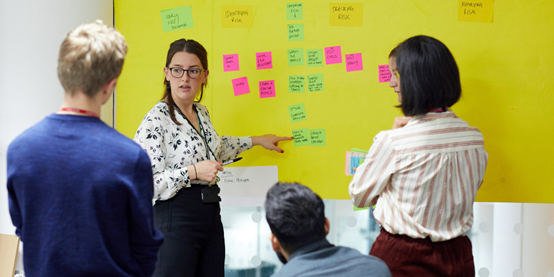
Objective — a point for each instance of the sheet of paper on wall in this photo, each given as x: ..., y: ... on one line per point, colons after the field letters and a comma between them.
x: 177, y: 19
x: 237, y: 16
x: 246, y: 186
x: 346, y: 14
x: 475, y: 11
x: 353, y: 160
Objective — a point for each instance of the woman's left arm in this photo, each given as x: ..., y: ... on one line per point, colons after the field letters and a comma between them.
x: 375, y: 173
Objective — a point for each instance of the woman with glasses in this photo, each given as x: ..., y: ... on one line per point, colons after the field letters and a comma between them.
x: 423, y: 175
x: 186, y: 154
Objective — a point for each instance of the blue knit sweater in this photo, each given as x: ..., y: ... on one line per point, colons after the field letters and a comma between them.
x: 80, y: 196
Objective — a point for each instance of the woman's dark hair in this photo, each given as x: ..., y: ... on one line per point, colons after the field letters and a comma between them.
x: 189, y: 46
x: 295, y: 215
x: 429, y: 76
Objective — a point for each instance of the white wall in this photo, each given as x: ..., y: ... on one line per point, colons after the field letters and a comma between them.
x: 31, y: 32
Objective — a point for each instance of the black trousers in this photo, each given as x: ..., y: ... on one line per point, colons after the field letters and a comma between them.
x: 193, y: 236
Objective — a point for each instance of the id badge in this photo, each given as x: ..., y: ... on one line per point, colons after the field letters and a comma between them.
x: 210, y: 194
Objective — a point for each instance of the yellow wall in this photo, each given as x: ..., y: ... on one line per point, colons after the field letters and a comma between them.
x: 506, y: 67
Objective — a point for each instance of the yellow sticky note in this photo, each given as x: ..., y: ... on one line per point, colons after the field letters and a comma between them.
x: 475, y: 11
x: 344, y: 14
x: 237, y: 16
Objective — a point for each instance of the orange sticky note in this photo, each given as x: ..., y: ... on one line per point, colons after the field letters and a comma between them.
x: 344, y: 14
x: 475, y: 11
x: 237, y: 16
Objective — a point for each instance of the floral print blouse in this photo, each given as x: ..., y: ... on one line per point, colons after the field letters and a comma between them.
x: 172, y: 147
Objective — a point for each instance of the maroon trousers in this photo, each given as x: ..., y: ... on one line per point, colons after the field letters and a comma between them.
x: 407, y: 256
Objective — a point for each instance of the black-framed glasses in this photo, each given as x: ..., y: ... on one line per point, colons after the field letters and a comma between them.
x: 178, y: 72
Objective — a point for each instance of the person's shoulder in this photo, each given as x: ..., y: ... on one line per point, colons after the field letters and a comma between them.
x: 202, y: 109
x: 361, y: 261
x: 30, y: 136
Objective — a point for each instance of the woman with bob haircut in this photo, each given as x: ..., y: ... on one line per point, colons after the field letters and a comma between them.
x: 423, y: 174
x: 186, y: 154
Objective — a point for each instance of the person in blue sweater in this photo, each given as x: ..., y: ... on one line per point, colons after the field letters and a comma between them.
x: 296, y: 217
x: 80, y: 193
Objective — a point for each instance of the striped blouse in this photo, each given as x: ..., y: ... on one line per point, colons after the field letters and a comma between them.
x: 423, y: 177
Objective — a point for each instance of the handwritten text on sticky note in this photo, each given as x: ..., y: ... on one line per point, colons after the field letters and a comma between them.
x: 315, y: 82
x: 264, y: 61
x: 231, y: 62
x: 475, y: 11
x: 344, y: 14
x: 240, y: 86
x: 314, y: 57
x: 237, y: 16
x: 295, y: 32
x: 294, y: 11
x: 177, y: 19
x: 296, y: 83
x: 384, y: 74
x: 317, y: 137
x: 296, y: 56
x: 333, y: 55
x: 301, y: 137
x: 297, y: 113
x: 267, y: 89
x: 354, y: 62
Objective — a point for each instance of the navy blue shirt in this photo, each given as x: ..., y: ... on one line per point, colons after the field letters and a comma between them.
x: 324, y: 259
x: 80, y: 197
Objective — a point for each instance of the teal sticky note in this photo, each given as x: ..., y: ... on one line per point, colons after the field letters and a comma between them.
x: 294, y: 11
x: 297, y: 113
x: 295, y: 32
x: 296, y: 83
x: 177, y: 19
x: 314, y: 57
x: 317, y: 137
x: 296, y: 56
x: 361, y: 209
x: 301, y: 137
x: 315, y: 82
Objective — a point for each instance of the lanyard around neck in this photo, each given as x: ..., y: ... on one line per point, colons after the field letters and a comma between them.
x: 79, y: 111
x: 201, y: 133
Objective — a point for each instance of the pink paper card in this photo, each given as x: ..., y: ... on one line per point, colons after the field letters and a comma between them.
x: 231, y: 62
x: 384, y: 74
x: 267, y: 89
x: 263, y: 60
x: 354, y: 62
x: 240, y: 86
x: 333, y: 55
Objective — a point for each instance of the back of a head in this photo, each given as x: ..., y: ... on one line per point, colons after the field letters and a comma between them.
x: 295, y: 214
x: 90, y: 56
x: 429, y: 76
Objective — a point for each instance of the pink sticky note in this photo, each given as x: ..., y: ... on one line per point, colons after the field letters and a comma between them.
x: 267, y: 89
x: 333, y: 55
x: 263, y: 60
x: 384, y: 74
x: 240, y: 86
x: 354, y: 62
x: 231, y: 62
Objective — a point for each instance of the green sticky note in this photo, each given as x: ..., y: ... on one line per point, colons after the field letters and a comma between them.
x: 296, y: 83
x: 294, y: 11
x: 296, y: 56
x: 177, y: 19
x: 301, y: 137
x: 314, y: 57
x: 315, y: 82
x: 297, y: 113
x: 317, y: 137
x: 295, y: 32
x: 360, y: 209
x: 362, y: 161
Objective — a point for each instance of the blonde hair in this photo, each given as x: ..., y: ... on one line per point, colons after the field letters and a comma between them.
x: 90, y: 56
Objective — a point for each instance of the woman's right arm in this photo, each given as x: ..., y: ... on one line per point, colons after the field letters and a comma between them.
x: 168, y: 179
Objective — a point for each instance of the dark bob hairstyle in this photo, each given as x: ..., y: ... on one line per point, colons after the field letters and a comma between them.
x: 429, y: 76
